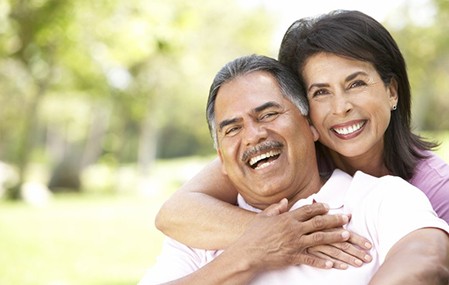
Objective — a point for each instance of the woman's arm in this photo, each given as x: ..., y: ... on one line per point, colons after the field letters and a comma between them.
x: 420, y: 258
x: 202, y: 214
x: 248, y: 255
x: 206, y: 205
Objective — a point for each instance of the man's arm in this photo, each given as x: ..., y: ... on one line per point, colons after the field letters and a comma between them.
x: 420, y: 258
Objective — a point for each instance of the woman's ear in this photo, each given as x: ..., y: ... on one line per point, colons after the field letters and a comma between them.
x: 315, y: 133
x: 393, y: 93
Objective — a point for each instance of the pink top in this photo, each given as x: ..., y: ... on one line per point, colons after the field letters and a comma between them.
x: 432, y: 177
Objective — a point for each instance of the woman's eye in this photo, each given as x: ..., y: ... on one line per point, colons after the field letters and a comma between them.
x: 357, y: 83
x: 320, y: 92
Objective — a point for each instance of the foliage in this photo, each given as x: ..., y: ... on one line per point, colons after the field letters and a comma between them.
x: 426, y: 48
x: 117, y: 82
x: 84, y: 81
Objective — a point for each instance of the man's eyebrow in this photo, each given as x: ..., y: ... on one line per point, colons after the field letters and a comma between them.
x: 227, y: 122
x: 256, y: 110
x: 267, y: 106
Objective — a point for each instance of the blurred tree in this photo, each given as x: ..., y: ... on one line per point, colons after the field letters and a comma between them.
x: 425, y: 45
x: 88, y: 79
x: 32, y: 47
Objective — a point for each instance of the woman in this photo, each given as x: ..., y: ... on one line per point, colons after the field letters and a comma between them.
x: 353, y: 134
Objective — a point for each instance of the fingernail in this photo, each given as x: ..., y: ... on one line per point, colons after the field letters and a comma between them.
x: 368, y: 257
x: 345, y: 218
x: 343, y: 266
x: 329, y: 264
x: 358, y: 262
x: 368, y: 245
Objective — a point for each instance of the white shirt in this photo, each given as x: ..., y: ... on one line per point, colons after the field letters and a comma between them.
x: 383, y: 210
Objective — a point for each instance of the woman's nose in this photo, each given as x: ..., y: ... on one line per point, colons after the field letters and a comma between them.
x: 341, y: 105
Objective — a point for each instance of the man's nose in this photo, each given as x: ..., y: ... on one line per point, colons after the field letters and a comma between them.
x: 254, y: 133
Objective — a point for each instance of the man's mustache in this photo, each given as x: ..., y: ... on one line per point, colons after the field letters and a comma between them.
x: 260, y: 148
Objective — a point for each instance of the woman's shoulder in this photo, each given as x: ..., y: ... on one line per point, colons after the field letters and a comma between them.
x: 432, y: 166
x: 432, y: 177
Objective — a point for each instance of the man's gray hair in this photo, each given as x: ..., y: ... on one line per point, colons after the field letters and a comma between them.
x: 287, y: 81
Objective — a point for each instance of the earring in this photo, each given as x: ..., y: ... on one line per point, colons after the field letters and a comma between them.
x: 394, y: 108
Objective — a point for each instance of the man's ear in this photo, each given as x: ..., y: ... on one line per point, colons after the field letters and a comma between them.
x: 315, y: 133
x: 223, y: 168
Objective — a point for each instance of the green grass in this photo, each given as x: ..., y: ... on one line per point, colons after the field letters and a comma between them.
x: 78, y: 240
x: 93, y: 238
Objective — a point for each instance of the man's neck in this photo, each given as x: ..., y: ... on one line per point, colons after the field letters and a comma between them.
x: 311, y: 187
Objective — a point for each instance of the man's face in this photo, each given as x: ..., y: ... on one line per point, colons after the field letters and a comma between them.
x: 265, y: 144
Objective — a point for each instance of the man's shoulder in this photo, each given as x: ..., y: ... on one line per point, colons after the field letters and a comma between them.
x: 366, y: 186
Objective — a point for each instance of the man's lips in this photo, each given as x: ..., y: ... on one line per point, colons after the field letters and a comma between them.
x: 265, y: 158
x: 263, y: 152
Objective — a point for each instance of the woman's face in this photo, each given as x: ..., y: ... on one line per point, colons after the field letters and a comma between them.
x: 350, y: 105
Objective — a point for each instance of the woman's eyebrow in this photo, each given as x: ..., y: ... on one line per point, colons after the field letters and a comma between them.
x: 355, y: 74
x: 348, y: 78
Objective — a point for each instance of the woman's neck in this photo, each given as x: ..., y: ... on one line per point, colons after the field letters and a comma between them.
x: 372, y: 164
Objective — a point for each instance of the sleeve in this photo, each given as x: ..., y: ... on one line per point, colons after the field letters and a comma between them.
x: 402, y: 209
x: 432, y: 177
x: 175, y: 261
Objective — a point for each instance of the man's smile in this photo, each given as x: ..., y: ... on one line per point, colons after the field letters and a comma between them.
x: 261, y: 155
x: 263, y: 160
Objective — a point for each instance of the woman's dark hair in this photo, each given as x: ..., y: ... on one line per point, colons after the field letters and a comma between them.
x: 353, y: 34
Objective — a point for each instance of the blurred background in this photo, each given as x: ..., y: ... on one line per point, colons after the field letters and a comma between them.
x: 102, y: 116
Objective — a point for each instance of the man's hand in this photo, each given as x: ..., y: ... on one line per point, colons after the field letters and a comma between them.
x: 277, y: 238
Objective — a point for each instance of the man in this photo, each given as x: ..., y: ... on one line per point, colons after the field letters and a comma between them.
x: 257, y: 117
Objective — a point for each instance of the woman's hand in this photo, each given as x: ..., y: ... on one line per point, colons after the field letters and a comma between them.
x: 354, y: 252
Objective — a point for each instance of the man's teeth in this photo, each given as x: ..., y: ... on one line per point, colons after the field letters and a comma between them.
x: 258, y: 158
x: 349, y: 130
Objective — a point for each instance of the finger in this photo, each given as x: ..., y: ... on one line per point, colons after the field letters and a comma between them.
x: 336, y: 263
x: 360, y: 241
x: 307, y: 212
x: 340, y: 257
x: 314, y: 261
x: 324, y: 222
x: 276, y: 209
x: 348, y: 250
x: 321, y: 238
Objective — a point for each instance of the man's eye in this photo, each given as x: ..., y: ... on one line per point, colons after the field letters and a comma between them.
x: 268, y: 115
x: 231, y: 130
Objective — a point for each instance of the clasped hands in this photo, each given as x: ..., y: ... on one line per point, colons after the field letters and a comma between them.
x: 308, y: 235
